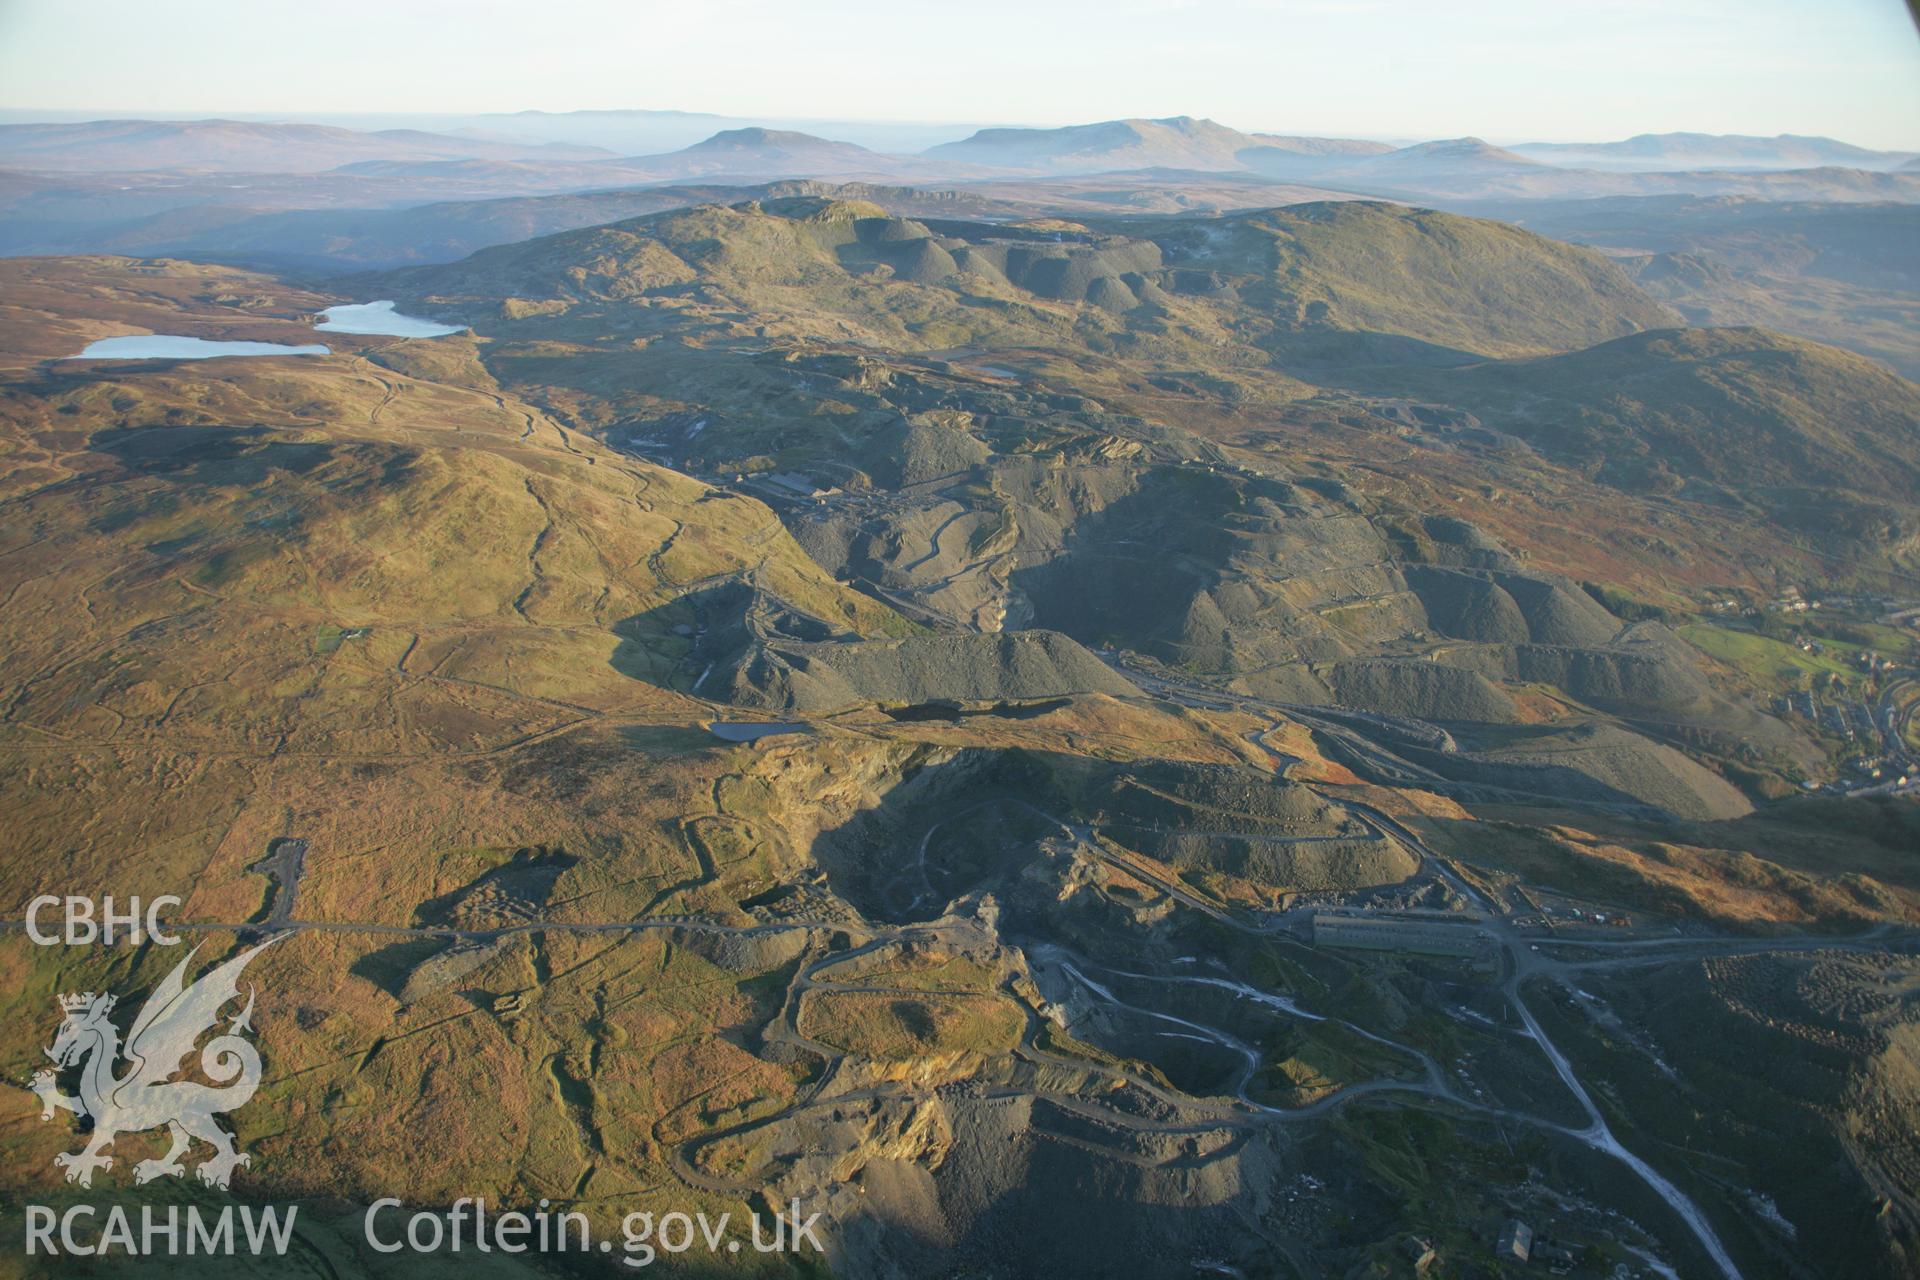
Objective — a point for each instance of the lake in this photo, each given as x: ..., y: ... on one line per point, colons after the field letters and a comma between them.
x: 381, y: 318
x: 167, y: 346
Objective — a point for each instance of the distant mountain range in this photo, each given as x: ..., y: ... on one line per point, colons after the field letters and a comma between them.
x: 1176, y: 142
x: 633, y: 133
x: 535, y: 152
x: 623, y: 132
x: 749, y: 154
x: 1456, y: 168
x: 1471, y: 169
x: 1658, y: 151
x: 1449, y: 161
x: 314, y: 195
x: 343, y: 239
x: 1188, y: 143
x: 234, y: 146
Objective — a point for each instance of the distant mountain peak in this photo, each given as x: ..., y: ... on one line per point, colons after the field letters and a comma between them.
x: 757, y: 151
x: 1192, y: 143
x: 754, y: 137
x: 1458, y: 147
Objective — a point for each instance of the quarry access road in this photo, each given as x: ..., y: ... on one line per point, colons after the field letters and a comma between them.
x: 1382, y: 824
x: 1521, y: 962
x: 1433, y: 1086
x: 1372, y: 760
x: 1522, y: 958
x: 1643, y: 952
x: 1598, y: 1136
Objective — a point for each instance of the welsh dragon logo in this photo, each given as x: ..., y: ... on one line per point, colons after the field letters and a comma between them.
x: 147, y: 1095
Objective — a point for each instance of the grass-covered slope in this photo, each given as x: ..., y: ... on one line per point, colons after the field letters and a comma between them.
x: 1462, y: 283
x: 1743, y: 408
x: 835, y: 268
x: 233, y: 564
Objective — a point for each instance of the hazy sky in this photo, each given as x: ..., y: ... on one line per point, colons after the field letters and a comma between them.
x: 1505, y: 69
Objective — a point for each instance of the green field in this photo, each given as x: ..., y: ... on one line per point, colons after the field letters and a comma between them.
x: 1774, y: 666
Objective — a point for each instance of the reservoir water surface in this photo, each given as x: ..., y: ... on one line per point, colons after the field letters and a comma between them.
x: 167, y: 346
x: 381, y: 318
